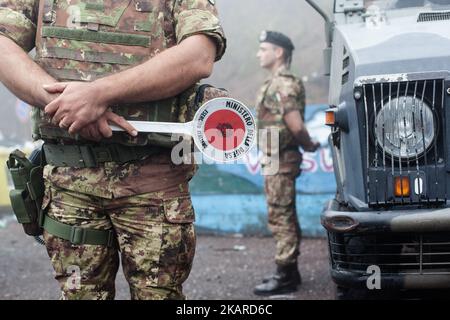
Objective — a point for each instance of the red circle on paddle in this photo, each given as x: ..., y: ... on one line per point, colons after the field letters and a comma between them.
x: 225, y: 130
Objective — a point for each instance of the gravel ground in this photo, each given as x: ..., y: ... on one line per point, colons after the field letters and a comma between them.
x: 224, y: 268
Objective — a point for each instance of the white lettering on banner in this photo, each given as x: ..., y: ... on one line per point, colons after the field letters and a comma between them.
x: 253, y: 162
x: 312, y: 162
x: 309, y: 163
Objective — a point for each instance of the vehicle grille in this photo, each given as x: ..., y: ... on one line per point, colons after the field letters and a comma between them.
x: 392, y: 253
x: 426, y: 169
x: 433, y: 16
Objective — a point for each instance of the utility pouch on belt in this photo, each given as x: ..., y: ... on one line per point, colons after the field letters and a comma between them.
x: 27, y: 195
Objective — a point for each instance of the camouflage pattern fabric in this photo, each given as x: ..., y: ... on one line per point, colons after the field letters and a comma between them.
x: 111, y: 180
x: 148, y: 205
x: 81, y: 40
x: 282, y: 217
x: 147, y: 202
x: 279, y: 95
x: 18, y: 19
x: 155, y: 236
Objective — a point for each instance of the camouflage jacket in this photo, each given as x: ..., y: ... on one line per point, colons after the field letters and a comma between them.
x: 280, y: 94
x: 86, y: 39
x: 83, y: 40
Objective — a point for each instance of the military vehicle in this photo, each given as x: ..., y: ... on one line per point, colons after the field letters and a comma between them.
x: 389, y: 66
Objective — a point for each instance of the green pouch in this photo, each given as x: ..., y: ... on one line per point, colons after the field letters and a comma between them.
x: 26, y: 197
x: 18, y: 202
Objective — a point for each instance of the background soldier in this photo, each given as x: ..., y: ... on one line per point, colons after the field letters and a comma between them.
x: 134, y: 59
x: 281, y: 106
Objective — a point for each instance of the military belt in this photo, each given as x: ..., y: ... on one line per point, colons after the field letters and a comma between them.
x: 78, y: 235
x: 91, y: 156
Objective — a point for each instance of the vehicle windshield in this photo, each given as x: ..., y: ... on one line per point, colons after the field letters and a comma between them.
x: 401, y: 4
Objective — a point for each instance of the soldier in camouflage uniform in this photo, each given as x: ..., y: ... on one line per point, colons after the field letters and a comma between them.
x: 281, y: 106
x: 108, y: 61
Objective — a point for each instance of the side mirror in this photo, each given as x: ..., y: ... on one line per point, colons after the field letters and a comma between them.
x: 325, y: 8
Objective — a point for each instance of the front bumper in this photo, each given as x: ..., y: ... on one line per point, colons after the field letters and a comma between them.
x: 419, y: 220
x: 411, y: 248
x: 349, y: 279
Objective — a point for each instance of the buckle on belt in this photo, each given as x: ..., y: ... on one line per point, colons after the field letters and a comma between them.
x: 77, y: 235
x: 102, y: 154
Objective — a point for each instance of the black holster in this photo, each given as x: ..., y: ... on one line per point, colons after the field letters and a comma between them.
x: 28, y: 193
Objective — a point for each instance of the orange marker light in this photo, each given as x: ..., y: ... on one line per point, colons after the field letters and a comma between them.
x: 330, y: 118
x: 402, y: 187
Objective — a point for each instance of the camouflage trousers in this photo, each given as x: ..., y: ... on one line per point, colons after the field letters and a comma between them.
x: 282, y: 220
x: 155, y: 237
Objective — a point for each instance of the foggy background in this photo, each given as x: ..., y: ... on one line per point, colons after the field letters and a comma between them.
x: 243, y: 21
x: 239, y: 70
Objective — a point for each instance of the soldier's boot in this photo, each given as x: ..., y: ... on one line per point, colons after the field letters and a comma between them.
x: 267, y: 278
x: 271, y: 276
x: 285, y: 280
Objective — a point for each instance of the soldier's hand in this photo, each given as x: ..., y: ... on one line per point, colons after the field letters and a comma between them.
x: 101, y: 128
x: 78, y: 105
x: 312, y: 147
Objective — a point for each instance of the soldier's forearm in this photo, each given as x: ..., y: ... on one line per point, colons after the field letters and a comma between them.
x: 163, y: 76
x: 21, y: 75
x: 298, y: 129
x: 303, y: 138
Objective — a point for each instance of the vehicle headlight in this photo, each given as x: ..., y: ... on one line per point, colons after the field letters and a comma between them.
x: 405, y: 127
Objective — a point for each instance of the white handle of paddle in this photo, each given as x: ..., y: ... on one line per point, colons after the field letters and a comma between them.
x: 159, y: 127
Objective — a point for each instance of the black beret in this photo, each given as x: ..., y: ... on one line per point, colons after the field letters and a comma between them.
x: 277, y: 38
